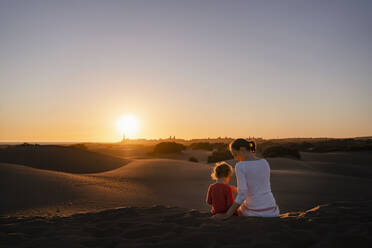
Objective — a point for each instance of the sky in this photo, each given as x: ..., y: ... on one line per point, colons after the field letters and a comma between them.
x: 191, y: 69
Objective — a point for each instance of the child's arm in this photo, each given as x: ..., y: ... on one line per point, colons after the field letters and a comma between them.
x: 209, y: 197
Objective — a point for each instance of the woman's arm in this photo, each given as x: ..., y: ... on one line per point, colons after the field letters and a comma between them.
x: 234, y: 189
x: 228, y: 214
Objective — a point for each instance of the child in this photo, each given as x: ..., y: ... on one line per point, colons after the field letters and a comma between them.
x: 220, y: 193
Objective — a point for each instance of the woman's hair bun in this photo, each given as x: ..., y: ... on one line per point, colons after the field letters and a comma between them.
x: 252, y: 146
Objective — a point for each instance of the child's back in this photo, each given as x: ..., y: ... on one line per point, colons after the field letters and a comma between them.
x: 220, y: 196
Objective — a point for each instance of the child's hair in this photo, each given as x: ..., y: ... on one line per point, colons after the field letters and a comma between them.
x: 249, y: 145
x: 220, y: 170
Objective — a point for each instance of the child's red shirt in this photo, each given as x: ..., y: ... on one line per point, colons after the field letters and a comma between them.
x: 220, y: 196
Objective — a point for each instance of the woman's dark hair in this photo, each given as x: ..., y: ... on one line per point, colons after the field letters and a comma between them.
x: 249, y: 145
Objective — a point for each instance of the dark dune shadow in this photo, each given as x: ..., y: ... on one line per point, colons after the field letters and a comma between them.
x: 60, y: 158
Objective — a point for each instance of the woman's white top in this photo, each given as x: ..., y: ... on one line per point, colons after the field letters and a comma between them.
x: 254, y: 190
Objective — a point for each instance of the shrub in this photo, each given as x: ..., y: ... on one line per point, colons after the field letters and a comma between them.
x: 79, y: 146
x: 322, y: 145
x: 23, y: 146
x: 208, y: 146
x: 219, y: 155
x: 193, y: 159
x: 202, y: 146
x: 221, y: 146
x: 281, y: 151
x: 300, y: 146
x: 264, y: 145
x: 168, y: 147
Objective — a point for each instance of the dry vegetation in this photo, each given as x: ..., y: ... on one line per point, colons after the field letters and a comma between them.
x: 168, y: 147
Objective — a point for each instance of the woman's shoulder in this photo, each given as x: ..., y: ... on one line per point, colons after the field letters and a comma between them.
x: 251, y: 165
x: 251, y: 162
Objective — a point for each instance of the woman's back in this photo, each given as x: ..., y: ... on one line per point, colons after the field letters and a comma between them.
x: 253, y: 178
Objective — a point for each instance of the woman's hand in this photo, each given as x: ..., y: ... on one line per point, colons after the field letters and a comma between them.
x: 234, y: 189
x: 220, y: 216
x: 229, y: 212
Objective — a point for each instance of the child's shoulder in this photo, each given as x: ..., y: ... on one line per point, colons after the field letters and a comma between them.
x: 219, y: 185
x: 214, y: 185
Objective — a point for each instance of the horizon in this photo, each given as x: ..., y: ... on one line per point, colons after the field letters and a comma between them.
x: 177, y: 138
x: 71, y: 70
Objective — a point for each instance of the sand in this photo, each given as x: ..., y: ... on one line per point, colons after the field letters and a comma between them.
x: 179, y: 183
x: 32, y: 191
x: 161, y: 202
x: 342, y: 224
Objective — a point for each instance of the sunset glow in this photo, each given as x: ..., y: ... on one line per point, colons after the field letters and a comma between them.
x: 128, y: 125
x: 69, y: 70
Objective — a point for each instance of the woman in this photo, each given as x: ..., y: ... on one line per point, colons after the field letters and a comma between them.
x: 253, y: 180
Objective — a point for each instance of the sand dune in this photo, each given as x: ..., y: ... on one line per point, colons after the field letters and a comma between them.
x: 288, y: 164
x: 171, y: 182
x: 200, y: 155
x: 140, y: 183
x: 162, y: 181
x: 356, y: 164
x: 298, y: 185
x: 60, y: 158
x: 30, y: 191
x: 359, y: 158
x: 319, y: 209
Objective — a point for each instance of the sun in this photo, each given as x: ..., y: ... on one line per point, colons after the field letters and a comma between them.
x: 128, y: 125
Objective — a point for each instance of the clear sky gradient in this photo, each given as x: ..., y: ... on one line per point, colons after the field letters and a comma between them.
x: 193, y: 69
